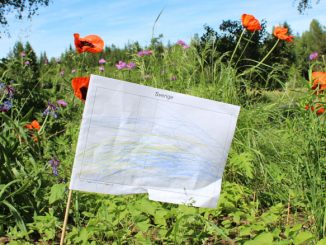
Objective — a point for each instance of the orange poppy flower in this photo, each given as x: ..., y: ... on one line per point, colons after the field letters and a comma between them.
x: 320, y: 109
x: 90, y: 43
x: 282, y: 33
x: 80, y: 87
x: 250, y: 22
x: 307, y: 107
x: 33, y: 125
x: 319, y: 80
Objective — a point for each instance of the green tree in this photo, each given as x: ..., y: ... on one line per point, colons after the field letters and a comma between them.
x: 31, y: 56
x: 252, y: 48
x: 226, y: 40
x: 17, y: 50
x: 313, y: 40
x: 43, y: 59
x: 19, y: 7
x: 305, y: 4
x: 250, y: 45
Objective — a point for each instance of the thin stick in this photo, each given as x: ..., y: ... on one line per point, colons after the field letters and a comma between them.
x: 288, y: 215
x: 66, y: 218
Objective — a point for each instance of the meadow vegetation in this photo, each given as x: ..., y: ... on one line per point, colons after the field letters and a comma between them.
x: 275, y: 178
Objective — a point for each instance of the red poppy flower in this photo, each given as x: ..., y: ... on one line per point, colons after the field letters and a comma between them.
x: 33, y: 125
x: 320, y: 109
x: 250, y: 22
x: 90, y: 43
x: 282, y: 33
x: 307, y: 107
x: 80, y: 87
x: 319, y: 80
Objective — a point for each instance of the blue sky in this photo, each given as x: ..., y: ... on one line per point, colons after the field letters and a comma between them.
x: 118, y: 22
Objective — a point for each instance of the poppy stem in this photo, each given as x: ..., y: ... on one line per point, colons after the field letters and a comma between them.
x: 260, y: 62
x: 83, y: 63
x: 236, y: 47
x: 248, y: 40
x: 270, y: 51
x: 2, y: 98
x: 43, y: 125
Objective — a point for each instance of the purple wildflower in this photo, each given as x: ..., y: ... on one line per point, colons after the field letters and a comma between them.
x: 148, y: 52
x: 131, y: 65
x: 54, y: 162
x: 144, y: 53
x: 51, y: 110
x: 121, y: 65
x: 7, y: 89
x: 73, y: 71
x: 183, y: 44
x: 10, y: 90
x: 101, y: 68
x: 62, y: 73
x: 173, y: 78
x: 62, y: 103
x: 6, y: 106
x: 102, y: 61
x: 313, y: 56
x: 27, y: 62
x: 22, y: 54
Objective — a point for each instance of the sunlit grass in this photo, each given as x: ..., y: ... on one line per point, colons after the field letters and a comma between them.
x: 274, y: 182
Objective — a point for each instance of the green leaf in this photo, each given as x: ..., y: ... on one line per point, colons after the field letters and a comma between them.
x: 245, y: 231
x: 270, y: 218
x: 159, y: 217
x: 237, y: 217
x: 19, y: 220
x: 243, y: 164
x: 142, y: 239
x: 321, y: 242
x: 262, y: 239
x: 283, y: 242
x: 290, y: 231
x: 146, y: 206
x: 49, y: 234
x: 303, y: 237
x: 143, y: 226
x: 82, y: 236
x: 258, y: 227
x: 57, y: 193
x: 227, y: 223
x: 14, y: 243
x: 185, y: 210
x: 4, y: 187
x: 140, y: 218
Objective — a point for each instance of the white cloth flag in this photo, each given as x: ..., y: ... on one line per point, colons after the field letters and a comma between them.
x: 139, y: 139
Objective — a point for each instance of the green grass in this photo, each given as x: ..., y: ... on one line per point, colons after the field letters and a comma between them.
x: 273, y: 185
